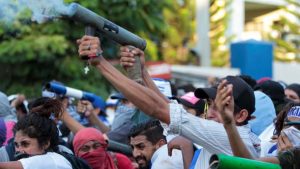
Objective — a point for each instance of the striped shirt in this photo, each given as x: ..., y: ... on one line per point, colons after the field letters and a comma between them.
x: 208, y: 134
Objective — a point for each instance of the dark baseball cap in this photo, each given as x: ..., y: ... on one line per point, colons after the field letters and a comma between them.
x: 271, y: 88
x: 206, y: 93
x: 243, y: 94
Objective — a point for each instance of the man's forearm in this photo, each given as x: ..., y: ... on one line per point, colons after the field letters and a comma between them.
x: 97, y: 123
x: 151, y: 85
x: 145, y: 99
x: 239, y: 148
x: 11, y: 165
x: 237, y: 145
x: 71, y: 123
x: 187, y: 155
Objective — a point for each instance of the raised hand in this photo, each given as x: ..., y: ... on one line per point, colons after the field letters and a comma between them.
x: 127, y: 54
x: 225, y: 102
x: 90, y: 46
x: 85, y: 107
x: 284, y: 143
x: 19, y: 100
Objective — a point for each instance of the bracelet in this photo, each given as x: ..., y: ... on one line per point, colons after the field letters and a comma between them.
x: 99, y: 53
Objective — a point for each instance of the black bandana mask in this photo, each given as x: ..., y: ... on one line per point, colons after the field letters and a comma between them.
x: 20, y: 155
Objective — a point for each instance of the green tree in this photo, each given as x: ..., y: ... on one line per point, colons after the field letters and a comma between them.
x: 286, y: 34
x: 180, y: 33
x: 219, y: 41
x: 32, y: 54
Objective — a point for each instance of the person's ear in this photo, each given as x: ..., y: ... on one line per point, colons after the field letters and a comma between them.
x: 46, y: 146
x: 241, y: 116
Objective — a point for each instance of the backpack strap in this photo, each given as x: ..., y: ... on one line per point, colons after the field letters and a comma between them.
x: 76, y: 162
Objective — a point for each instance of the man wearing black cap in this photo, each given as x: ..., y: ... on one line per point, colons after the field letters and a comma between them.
x: 244, y: 106
x: 207, y: 133
x: 243, y: 95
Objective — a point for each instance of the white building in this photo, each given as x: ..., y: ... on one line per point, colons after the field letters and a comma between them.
x: 246, y: 23
x: 243, y: 11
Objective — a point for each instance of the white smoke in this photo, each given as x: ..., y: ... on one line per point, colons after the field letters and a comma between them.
x: 10, y: 9
x: 46, y: 9
x: 42, y: 10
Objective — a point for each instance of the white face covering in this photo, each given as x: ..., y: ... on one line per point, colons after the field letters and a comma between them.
x: 293, y: 135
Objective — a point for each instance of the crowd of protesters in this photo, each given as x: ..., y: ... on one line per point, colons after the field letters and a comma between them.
x: 153, y: 126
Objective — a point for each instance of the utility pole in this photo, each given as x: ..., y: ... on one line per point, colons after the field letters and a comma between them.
x: 203, y: 42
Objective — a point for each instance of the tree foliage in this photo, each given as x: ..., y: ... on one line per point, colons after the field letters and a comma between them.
x: 32, y: 54
x: 180, y: 33
x: 286, y: 34
x: 219, y: 40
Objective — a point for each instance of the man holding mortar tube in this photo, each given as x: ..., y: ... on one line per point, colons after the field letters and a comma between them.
x: 207, y: 133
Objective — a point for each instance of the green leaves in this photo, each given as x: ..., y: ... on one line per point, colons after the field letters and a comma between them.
x: 32, y: 54
x: 285, y: 33
x: 30, y: 48
x: 219, y: 41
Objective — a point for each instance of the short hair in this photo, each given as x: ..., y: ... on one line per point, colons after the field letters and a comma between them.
x: 152, y: 129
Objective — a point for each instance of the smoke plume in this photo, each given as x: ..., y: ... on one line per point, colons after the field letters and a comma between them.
x: 42, y: 10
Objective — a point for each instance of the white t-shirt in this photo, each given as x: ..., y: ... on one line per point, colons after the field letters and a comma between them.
x: 208, y: 134
x: 267, y: 134
x: 268, y: 147
x: 50, y: 160
x: 161, y: 159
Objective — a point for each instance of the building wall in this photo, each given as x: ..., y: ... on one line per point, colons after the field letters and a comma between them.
x: 287, y: 72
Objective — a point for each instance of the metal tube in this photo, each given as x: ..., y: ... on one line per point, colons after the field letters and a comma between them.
x: 107, y: 28
x: 97, y: 101
x: 119, y: 147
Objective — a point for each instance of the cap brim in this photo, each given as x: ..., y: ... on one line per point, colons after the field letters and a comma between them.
x: 118, y: 96
x: 206, y: 93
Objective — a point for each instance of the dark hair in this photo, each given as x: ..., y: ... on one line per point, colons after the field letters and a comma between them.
x: 37, y: 124
x: 279, y: 121
x: 297, y: 156
x: 199, y: 112
x: 152, y: 129
x: 294, y: 87
x: 187, y: 88
x: 173, y: 89
x: 290, y: 158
